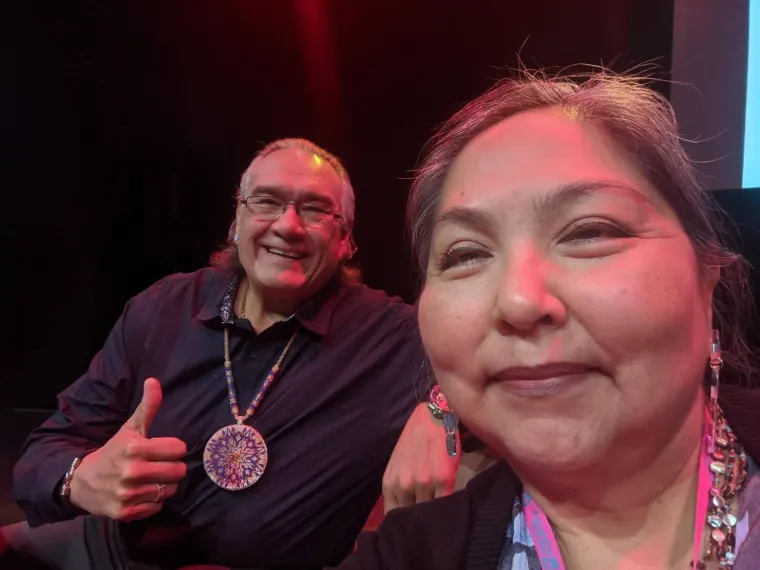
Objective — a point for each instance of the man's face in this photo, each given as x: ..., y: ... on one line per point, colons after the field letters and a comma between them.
x: 286, y: 256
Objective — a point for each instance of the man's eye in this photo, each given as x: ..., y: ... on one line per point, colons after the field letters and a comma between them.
x: 264, y: 201
x: 314, y: 208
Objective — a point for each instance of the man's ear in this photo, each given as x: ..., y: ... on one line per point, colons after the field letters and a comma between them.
x: 347, y: 247
x: 239, y: 210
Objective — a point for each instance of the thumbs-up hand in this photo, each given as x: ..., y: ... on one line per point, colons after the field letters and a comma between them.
x: 131, y: 475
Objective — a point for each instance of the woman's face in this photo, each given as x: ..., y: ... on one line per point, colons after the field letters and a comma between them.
x: 564, y: 311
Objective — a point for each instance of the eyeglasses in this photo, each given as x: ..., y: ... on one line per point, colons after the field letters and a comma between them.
x: 269, y: 208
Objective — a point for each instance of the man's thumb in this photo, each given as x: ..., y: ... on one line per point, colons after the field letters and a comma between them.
x: 148, y: 408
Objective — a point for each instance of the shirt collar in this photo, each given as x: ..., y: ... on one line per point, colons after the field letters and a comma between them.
x: 315, y: 315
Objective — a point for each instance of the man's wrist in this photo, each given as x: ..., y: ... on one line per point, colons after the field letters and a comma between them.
x: 64, y: 492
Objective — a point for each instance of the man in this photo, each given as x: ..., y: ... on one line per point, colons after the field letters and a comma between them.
x: 241, y: 415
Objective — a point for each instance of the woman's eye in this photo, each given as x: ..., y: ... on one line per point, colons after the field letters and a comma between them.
x: 589, y: 232
x: 461, y: 256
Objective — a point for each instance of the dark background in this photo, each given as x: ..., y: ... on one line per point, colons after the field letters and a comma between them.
x: 125, y: 127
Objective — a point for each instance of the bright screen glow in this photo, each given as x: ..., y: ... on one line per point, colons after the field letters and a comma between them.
x: 751, y: 170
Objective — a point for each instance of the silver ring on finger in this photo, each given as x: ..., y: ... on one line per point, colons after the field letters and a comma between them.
x: 160, y: 491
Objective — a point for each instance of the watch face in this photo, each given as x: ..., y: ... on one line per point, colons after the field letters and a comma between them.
x: 438, y: 399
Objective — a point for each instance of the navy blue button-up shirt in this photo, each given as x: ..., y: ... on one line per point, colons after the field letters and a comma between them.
x: 330, y: 420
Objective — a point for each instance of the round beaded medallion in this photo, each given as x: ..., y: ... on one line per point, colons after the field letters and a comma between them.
x: 235, y: 457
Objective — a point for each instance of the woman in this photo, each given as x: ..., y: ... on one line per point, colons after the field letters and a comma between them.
x: 573, y: 278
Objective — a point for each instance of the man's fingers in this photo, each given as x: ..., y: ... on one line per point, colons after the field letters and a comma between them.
x: 139, y: 472
x: 444, y: 487
x: 148, y: 407
x: 156, y: 449
x: 424, y: 491
x: 138, y: 511
x: 389, y: 502
x: 129, y: 496
x: 149, y: 493
x: 397, y: 494
x: 404, y: 497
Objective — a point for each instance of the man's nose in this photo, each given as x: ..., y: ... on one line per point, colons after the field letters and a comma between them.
x: 289, y: 222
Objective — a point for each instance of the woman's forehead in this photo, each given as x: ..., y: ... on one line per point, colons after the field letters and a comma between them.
x: 538, y: 152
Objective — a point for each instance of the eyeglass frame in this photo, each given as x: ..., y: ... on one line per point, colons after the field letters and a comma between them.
x: 296, y: 206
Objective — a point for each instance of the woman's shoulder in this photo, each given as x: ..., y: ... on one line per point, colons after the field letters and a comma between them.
x: 438, y: 534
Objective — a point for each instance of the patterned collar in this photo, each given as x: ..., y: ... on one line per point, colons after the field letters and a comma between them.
x: 315, y: 315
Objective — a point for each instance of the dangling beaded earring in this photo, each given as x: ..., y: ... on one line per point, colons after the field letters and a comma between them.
x: 439, y: 407
x: 450, y: 426
x: 716, y: 363
x: 728, y: 470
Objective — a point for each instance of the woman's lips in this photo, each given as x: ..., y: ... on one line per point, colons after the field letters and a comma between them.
x: 544, y: 380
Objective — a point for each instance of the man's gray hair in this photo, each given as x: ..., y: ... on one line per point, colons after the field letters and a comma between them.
x: 348, y: 201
